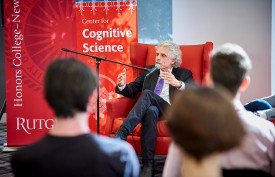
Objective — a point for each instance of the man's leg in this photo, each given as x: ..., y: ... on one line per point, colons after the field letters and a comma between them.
x: 148, y: 98
x: 149, y: 132
x: 148, y: 140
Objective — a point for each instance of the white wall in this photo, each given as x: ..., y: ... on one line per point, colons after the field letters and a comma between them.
x: 244, y: 22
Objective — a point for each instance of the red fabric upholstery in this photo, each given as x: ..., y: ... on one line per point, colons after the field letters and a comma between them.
x: 194, y: 58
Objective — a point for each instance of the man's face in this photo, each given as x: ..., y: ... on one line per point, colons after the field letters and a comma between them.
x: 162, y: 58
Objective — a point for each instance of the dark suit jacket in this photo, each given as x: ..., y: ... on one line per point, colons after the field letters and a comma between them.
x: 142, y: 82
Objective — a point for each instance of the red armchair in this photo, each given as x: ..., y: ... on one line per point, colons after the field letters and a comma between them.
x: 194, y: 58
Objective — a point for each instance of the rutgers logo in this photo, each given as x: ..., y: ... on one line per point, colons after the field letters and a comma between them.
x: 27, y: 125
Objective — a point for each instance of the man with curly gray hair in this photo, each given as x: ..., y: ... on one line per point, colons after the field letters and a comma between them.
x: 174, y: 52
x: 157, y: 88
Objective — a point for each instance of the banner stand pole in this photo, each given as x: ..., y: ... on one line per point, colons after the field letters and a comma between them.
x: 97, y: 99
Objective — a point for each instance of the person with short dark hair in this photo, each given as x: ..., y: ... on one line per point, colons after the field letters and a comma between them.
x: 203, y: 123
x: 69, y: 149
x: 229, y: 68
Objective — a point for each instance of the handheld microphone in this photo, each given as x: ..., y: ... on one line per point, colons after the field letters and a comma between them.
x: 156, y: 67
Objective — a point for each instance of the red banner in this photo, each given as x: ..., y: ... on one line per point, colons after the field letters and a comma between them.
x: 105, y: 29
x: 35, y: 31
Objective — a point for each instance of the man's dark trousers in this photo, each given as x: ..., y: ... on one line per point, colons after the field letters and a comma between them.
x: 147, y: 110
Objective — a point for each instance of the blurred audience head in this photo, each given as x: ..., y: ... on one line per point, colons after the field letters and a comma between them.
x: 68, y: 86
x: 229, y: 67
x: 203, y: 122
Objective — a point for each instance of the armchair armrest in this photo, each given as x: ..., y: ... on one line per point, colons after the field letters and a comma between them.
x: 118, y: 107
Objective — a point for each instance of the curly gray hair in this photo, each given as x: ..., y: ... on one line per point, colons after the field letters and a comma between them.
x: 174, y: 51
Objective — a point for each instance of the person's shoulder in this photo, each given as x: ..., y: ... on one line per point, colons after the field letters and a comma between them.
x: 179, y: 69
x: 256, y: 121
x: 258, y: 125
x: 28, y: 152
x: 113, y: 146
x: 121, y: 153
x: 182, y: 71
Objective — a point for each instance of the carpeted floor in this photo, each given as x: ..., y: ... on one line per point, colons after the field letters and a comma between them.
x: 5, y: 169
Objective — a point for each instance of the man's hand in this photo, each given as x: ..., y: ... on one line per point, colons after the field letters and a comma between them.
x: 121, y: 78
x: 170, y: 78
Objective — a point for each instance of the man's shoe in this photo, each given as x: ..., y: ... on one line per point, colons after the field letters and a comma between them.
x: 122, y: 133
